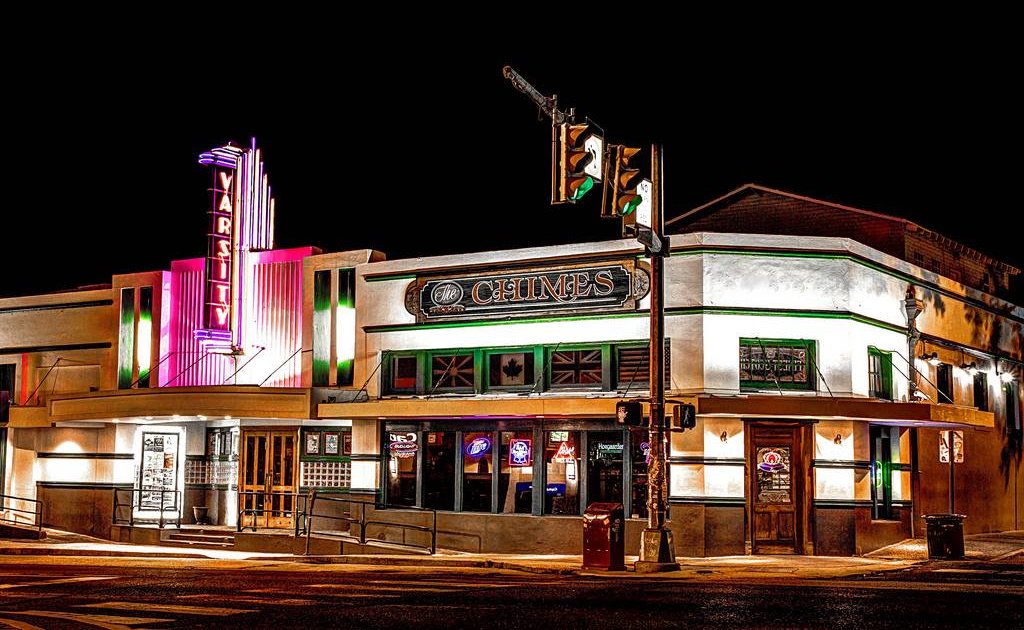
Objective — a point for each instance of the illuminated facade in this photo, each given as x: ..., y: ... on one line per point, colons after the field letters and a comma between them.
x: 483, y: 386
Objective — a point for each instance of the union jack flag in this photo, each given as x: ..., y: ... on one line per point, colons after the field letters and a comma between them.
x: 576, y: 367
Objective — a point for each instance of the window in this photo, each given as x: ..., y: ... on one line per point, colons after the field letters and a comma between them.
x: 439, y: 470
x: 511, y: 369
x: 981, y: 391
x: 515, y: 484
x: 633, y: 367
x: 576, y: 368
x: 885, y: 449
x: 1012, y: 401
x: 401, y: 449
x: 777, y: 363
x: 477, y: 471
x: 451, y: 371
x: 126, y: 339
x: 321, y: 327
x: 919, y: 259
x: 944, y: 382
x: 879, y: 374
x: 400, y: 376
x: 604, y: 466
x: 562, y: 475
x: 345, y: 334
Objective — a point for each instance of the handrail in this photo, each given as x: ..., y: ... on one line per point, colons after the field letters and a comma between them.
x: 37, y: 512
x: 163, y: 508
x: 363, y: 523
x: 256, y: 512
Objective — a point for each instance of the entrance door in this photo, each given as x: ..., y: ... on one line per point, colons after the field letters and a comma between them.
x: 776, y: 489
x: 268, y: 481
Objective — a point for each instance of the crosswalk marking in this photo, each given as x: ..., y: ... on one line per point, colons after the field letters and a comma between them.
x: 250, y: 599
x: 18, y: 625
x: 109, y: 622
x: 91, y: 578
x: 169, y: 608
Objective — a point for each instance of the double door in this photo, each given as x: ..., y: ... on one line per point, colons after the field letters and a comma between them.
x: 268, y: 481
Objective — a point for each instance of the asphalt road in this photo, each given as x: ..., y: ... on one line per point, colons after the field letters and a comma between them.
x: 263, y: 595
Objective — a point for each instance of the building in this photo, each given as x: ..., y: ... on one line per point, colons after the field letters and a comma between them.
x: 460, y: 386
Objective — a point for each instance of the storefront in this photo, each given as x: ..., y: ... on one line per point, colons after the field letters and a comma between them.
x: 497, y: 467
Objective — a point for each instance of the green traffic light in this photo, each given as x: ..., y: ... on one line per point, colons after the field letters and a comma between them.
x: 631, y: 205
x: 583, y: 188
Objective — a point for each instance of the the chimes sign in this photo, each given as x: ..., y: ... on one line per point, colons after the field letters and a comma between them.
x: 217, y: 313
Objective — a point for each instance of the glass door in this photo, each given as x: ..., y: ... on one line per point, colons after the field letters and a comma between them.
x: 267, y: 488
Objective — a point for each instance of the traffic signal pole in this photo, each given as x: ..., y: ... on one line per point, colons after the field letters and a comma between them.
x: 657, y: 552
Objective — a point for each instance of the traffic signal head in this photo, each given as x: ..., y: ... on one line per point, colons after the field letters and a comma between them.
x: 684, y: 417
x: 625, y: 178
x: 629, y: 413
x: 579, y: 161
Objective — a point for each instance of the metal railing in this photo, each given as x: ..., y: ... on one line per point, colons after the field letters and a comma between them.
x: 250, y: 505
x: 10, y: 514
x: 360, y: 520
x: 162, y: 506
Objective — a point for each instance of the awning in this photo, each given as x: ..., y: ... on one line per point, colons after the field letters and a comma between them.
x: 535, y: 407
x: 857, y: 409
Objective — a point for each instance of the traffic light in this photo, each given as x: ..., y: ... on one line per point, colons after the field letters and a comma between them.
x: 625, y: 197
x: 684, y: 417
x: 579, y: 160
x: 630, y: 413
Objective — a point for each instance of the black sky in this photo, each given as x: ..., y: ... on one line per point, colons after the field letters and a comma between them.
x: 416, y: 150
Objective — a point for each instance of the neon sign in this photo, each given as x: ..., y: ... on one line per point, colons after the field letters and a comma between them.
x: 478, y: 447
x: 241, y: 220
x: 520, y: 453
x: 218, y: 254
x: 565, y: 453
x: 403, y: 445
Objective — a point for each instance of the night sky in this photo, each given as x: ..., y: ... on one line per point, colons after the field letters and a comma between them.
x: 435, y: 152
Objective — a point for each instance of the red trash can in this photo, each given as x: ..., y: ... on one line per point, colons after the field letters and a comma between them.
x: 604, y: 534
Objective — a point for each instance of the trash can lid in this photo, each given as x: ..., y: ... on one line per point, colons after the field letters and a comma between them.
x: 947, y: 517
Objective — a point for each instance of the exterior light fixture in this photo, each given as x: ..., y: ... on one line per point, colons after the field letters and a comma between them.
x: 1006, y: 377
x: 724, y: 437
x: 839, y: 438
x: 971, y: 368
x: 933, y: 359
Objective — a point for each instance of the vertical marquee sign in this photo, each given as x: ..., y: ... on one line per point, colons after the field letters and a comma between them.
x: 219, y: 270
x: 241, y: 220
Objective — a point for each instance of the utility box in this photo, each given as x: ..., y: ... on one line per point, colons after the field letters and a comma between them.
x: 945, y: 536
x: 604, y: 534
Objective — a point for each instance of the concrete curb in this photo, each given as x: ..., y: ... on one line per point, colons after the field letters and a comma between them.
x: 413, y: 561
x: 53, y: 551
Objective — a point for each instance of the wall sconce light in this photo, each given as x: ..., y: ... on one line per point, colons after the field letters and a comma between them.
x: 932, y: 358
x: 1006, y: 377
x: 839, y: 438
x: 971, y: 368
x: 724, y: 437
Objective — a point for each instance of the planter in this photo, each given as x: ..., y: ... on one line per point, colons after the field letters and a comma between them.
x: 201, y: 514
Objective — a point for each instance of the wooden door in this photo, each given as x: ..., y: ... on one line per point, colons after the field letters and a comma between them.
x: 268, y: 478
x: 775, y: 496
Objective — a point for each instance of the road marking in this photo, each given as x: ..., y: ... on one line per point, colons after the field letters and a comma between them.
x: 109, y: 622
x: 960, y: 571
x: 18, y: 625
x: 169, y: 608
x: 248, y: 599
x: 92, y: 578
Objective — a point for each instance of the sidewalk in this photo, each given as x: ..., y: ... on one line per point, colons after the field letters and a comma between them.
x: 1001, y: 547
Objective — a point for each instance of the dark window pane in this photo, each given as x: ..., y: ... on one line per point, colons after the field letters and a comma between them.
x: 477, y: 471
x: 439, y: 470
x: 604, y: 461
x: 403, y: 373
x: 561, y: 463
x: 400, y: 453
x: 516, y: 482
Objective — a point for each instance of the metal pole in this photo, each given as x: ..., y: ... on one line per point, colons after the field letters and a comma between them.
x: 656, y: 549
x: 951, y: 450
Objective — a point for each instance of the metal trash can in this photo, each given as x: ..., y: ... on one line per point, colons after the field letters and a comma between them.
x: 604, y: 547
x: 945, y: 536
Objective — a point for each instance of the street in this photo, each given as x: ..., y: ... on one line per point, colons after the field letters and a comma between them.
x: 83, y: 593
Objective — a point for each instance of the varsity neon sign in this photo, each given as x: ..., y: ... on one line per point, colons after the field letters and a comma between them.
x: 217, y: 316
